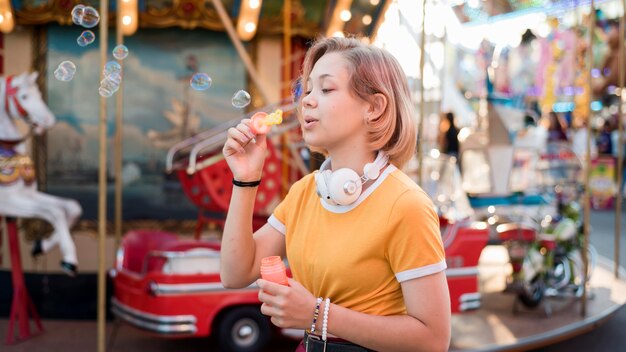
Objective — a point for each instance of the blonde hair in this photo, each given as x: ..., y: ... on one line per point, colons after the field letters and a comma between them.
x: 374, y: 70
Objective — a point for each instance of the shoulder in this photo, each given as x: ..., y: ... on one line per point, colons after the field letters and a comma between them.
x: 408, y: 195
x: 303, y: 185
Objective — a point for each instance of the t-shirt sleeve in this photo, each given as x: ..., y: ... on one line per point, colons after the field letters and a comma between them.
x: 278, y: 219
x: 415, y: 248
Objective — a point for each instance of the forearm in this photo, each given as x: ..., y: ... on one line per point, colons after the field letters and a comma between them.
x: 385, y: 333
x: 238, y: 247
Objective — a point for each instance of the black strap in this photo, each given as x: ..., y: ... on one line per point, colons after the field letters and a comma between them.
x: 246, y: 184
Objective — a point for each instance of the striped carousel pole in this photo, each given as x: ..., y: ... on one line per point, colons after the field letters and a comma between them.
x: 420, y: 129
x: 586, y: 199
x: 286, y: 91
x: 119, y: 124
x: 620, y: 140
x: 102, y: 186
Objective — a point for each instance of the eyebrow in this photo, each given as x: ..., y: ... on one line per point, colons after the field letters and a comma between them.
x: 321, y: 77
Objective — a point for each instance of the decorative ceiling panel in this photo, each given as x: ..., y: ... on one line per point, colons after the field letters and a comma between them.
x: 308, y: 17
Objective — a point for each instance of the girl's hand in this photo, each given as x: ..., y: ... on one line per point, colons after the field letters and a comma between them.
x: 244, y: 152
x: 288, y: 306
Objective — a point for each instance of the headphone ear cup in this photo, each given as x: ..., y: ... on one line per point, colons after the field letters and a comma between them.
x: 371, y: 171
x: 344, y: 186
x: 321, y: 185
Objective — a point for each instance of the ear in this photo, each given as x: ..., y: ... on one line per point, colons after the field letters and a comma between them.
x: 19, y: 79
x: 32, y: 78
x: 377, y: 106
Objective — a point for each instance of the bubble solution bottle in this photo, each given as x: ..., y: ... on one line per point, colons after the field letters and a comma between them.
x: 273, y: 269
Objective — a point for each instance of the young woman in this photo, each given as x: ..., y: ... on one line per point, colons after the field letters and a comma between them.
x: 361, y: 238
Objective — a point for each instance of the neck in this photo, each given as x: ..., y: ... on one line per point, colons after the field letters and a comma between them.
x: 8, y: 129
x: 354, y: 159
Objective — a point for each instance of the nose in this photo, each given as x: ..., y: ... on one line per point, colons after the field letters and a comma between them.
x: 308, y: 101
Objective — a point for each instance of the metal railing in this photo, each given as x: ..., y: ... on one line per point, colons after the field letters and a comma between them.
x: 211, y: 140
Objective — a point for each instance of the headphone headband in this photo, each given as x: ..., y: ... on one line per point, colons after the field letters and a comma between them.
x: 343, y: 186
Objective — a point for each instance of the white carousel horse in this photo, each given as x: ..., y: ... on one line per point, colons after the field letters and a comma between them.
x: 20, y: 99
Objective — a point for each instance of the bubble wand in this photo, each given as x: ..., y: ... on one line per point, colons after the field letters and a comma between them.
x: 262, y: 122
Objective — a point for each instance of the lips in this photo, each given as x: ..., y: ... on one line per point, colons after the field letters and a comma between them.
x: 309, y: 122
x: 309, y: 119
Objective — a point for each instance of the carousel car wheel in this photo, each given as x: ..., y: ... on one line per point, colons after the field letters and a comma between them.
x: 533, y: 294
x: 243, y: 329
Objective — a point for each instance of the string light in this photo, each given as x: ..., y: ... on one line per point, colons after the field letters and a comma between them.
x: 247, y: 23
x: 6, y: 16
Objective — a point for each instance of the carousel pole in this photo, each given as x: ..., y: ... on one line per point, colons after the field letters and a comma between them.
x: 102, y: 183
x: 587, y: 168
x: 284, y: 185
x: 620, y: 140
x: 243, y: 54
x: 117, y: 158
x: 420, y: 129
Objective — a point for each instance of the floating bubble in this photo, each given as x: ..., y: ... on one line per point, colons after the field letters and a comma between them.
x: 86, y: 37
x: 65, y: 71
x: 105, y: 92
x: 200, y: 81
x: 111, y: 67
x: 90, y: 17
x: 77, y: 14
x: 241, y: 99
x: 110, y: 84
x: 120, y: 52
x: 114, y: 78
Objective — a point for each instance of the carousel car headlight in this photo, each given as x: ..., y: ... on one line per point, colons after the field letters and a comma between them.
x: 152, y: 288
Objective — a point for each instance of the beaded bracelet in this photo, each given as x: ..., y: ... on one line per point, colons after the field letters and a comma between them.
x: 317, y: 313
x: 246, y: 184
x: 325, y: 321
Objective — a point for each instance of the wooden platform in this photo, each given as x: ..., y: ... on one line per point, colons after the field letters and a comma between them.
x: 496, y: 327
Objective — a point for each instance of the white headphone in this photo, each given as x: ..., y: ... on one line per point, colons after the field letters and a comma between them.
x: 343, y: 186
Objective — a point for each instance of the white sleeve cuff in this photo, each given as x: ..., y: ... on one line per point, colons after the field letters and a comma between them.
x: 275, y: 223
x: 422, y: 271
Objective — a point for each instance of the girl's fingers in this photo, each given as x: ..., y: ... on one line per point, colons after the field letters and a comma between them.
x: 233, y: 145
x: 238, y: 135
x: 265, y: 309
x: 246, y: 130
x: 268, y: 298
x: 272, y: 288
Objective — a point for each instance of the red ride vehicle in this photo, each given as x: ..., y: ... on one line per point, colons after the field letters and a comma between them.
x: 172, y: 288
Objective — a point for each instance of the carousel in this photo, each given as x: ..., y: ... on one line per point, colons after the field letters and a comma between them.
x: 114, y: 190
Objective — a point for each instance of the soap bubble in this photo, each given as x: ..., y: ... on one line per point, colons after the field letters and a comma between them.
x: 65, y: 71
x: 90, y: 17
x: 120, y: 52
x: 85, y: 16
x: 77, y: 14
x: 110, y: 84
x: 241, y: 99
x: 201, y: 81
x: 112, y: 67
x: 105, y: 92
x: 112, y: 73
x: 114, y: 78
x: 86, y: 37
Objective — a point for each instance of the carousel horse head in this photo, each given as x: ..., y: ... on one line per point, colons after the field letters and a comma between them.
x: 22, y: 100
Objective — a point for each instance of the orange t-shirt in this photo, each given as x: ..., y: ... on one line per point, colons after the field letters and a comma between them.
x: 358, y: 255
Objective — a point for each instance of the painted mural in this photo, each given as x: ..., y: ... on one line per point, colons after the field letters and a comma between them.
x: 160, y: 109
